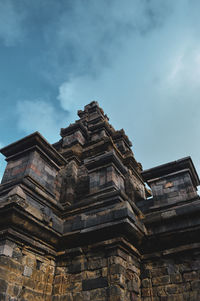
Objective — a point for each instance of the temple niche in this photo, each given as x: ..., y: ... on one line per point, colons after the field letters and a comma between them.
x: 81, y: 220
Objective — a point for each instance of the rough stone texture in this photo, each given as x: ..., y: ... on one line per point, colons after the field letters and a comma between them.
x: 99, y: 272
x: 172, y: 278
x: 21, y: 278
x: 78, y: 223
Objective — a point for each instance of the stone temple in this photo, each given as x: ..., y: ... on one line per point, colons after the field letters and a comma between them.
x: 77, y: 221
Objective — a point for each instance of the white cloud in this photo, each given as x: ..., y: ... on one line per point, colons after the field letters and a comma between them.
x: 11, y: 23
x: 67, y: 95
x: 39, y: 115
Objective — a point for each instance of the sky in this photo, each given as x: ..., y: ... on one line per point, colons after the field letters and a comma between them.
x: 140, y: 59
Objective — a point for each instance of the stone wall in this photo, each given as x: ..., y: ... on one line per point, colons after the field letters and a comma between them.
x: 25, y: 275
x: 172, y: 278
x: 98, y: 272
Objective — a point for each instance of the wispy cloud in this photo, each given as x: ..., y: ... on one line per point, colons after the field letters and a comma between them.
x: 89, y: 36
x: 39, y: 115
x: 11, y: 23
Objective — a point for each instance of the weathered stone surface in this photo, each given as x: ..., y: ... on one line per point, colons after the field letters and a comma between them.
x: 27, y: 271
x: 94, y: 283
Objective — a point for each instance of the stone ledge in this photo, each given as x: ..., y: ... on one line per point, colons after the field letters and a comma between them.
x: 33, y: 140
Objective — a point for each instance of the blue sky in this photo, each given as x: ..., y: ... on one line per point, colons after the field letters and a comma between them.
x: 140, y: 59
